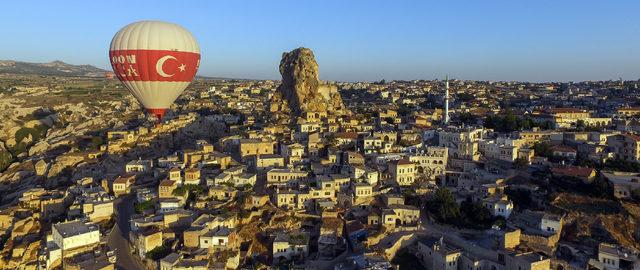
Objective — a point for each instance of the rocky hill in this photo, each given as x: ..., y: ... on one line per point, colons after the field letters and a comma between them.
x: 590, y: 221
x: 55, y: 68
x: 301, y: 90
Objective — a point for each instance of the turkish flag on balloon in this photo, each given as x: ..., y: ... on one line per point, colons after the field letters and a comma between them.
x: 156, y: 61
x: 154, y: 65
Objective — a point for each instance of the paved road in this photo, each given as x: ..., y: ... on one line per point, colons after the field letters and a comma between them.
x: 117, y: 238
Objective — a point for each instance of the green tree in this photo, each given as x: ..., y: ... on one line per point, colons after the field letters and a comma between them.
x: 191, y: 190
x: 500, y: 222
x: 475, y: 215
x: 465, y: 97
x: 521, y: 198
x: 635, y: 194
x: 444, y: 206
x: 580, y: 125
x: 5, y: 160
x: 622, y: 165
x: 158, y: 252
x: 3, y: 240
x: 141, y: 207
x: 467, y: 118
x: 510, y: 122
x: 543, y: 149
x: 520, y: 163
x: 96, y: 142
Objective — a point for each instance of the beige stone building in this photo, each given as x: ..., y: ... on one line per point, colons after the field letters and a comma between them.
x: 175, y: 174
x: 436, y: 254
x: 632, y: 111
x: 222, y: 193
x: 612, y: 256
x: 527, y: 261
x: 403, y: 172
x: 45, y: 203
x: 362, y: 191
x: 431, y: 161
x: 567, y: 117
x: 98, y: 207
x: 166, y: 188
x: 289, y: 245
x: 147, y: 240
x: 252, y: 147
x: 625, y: 146
x: 296, y: 199
x: 400, y: 215
x: 266, y: 161
x: 205, y: 154
x: 292, y: 153
x: 280, y: 177
x: 462, y: 143
x: 122, y: 185
x: 534, y: 136
x: 192, y: 176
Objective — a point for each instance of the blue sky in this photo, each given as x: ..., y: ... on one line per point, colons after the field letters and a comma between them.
x: 353, y: 40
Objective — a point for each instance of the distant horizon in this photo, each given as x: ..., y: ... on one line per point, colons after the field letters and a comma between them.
x: 510, y: 41
x: 108, y: 69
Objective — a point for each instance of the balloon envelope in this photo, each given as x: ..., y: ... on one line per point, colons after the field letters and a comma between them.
x: 156, y: 61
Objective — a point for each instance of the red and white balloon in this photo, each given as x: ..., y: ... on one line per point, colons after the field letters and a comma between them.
x: 156, y: 61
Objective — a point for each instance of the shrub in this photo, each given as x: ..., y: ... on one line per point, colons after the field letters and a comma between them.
x: 470, y: 214
x: 158, y: 253
x: 141, y: 207
x: 5, y: 160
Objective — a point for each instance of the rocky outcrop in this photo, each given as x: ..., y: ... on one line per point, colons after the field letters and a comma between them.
x: 301, y: 90
x: 63, y: 162
x: 41, y: 167
x: 21, y: 249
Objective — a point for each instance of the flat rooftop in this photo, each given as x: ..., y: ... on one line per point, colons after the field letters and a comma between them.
x: 73, y: 228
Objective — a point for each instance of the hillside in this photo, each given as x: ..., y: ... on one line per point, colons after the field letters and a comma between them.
x: 55, y: 68
x: 591, y: 220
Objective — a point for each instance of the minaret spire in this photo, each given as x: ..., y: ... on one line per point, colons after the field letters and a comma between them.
x: 446, y: 100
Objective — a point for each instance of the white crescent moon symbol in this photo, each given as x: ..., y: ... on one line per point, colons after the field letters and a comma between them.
x: 160, y: 63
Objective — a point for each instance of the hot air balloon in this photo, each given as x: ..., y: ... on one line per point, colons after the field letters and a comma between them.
x: 156, y: 61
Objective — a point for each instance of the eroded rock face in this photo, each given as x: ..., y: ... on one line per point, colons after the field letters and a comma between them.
x: 301, y: 89
x: 63, y: 162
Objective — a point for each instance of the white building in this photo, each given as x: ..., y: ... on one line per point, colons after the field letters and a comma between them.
x: 506, y: 149
x: 431, y: 161
x: 614, y: 257
x: 499, y: 206
x: 551, y: 223
x: 289, y: 245
x: 462, y: 142
x: 75, y: 234
x: 290, y: 177
x: 237, y: 180
x: 216, y: 238
x: 139, y: 166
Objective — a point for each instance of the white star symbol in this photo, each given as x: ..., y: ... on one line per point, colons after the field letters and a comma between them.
x: 182, y: 67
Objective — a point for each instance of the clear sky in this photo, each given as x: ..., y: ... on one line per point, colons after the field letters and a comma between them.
x: 537, y: 40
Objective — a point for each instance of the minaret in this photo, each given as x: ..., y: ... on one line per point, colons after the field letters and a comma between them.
x: 446, y: 100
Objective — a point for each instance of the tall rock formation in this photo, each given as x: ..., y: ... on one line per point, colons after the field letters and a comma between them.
x: 301, y: 91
